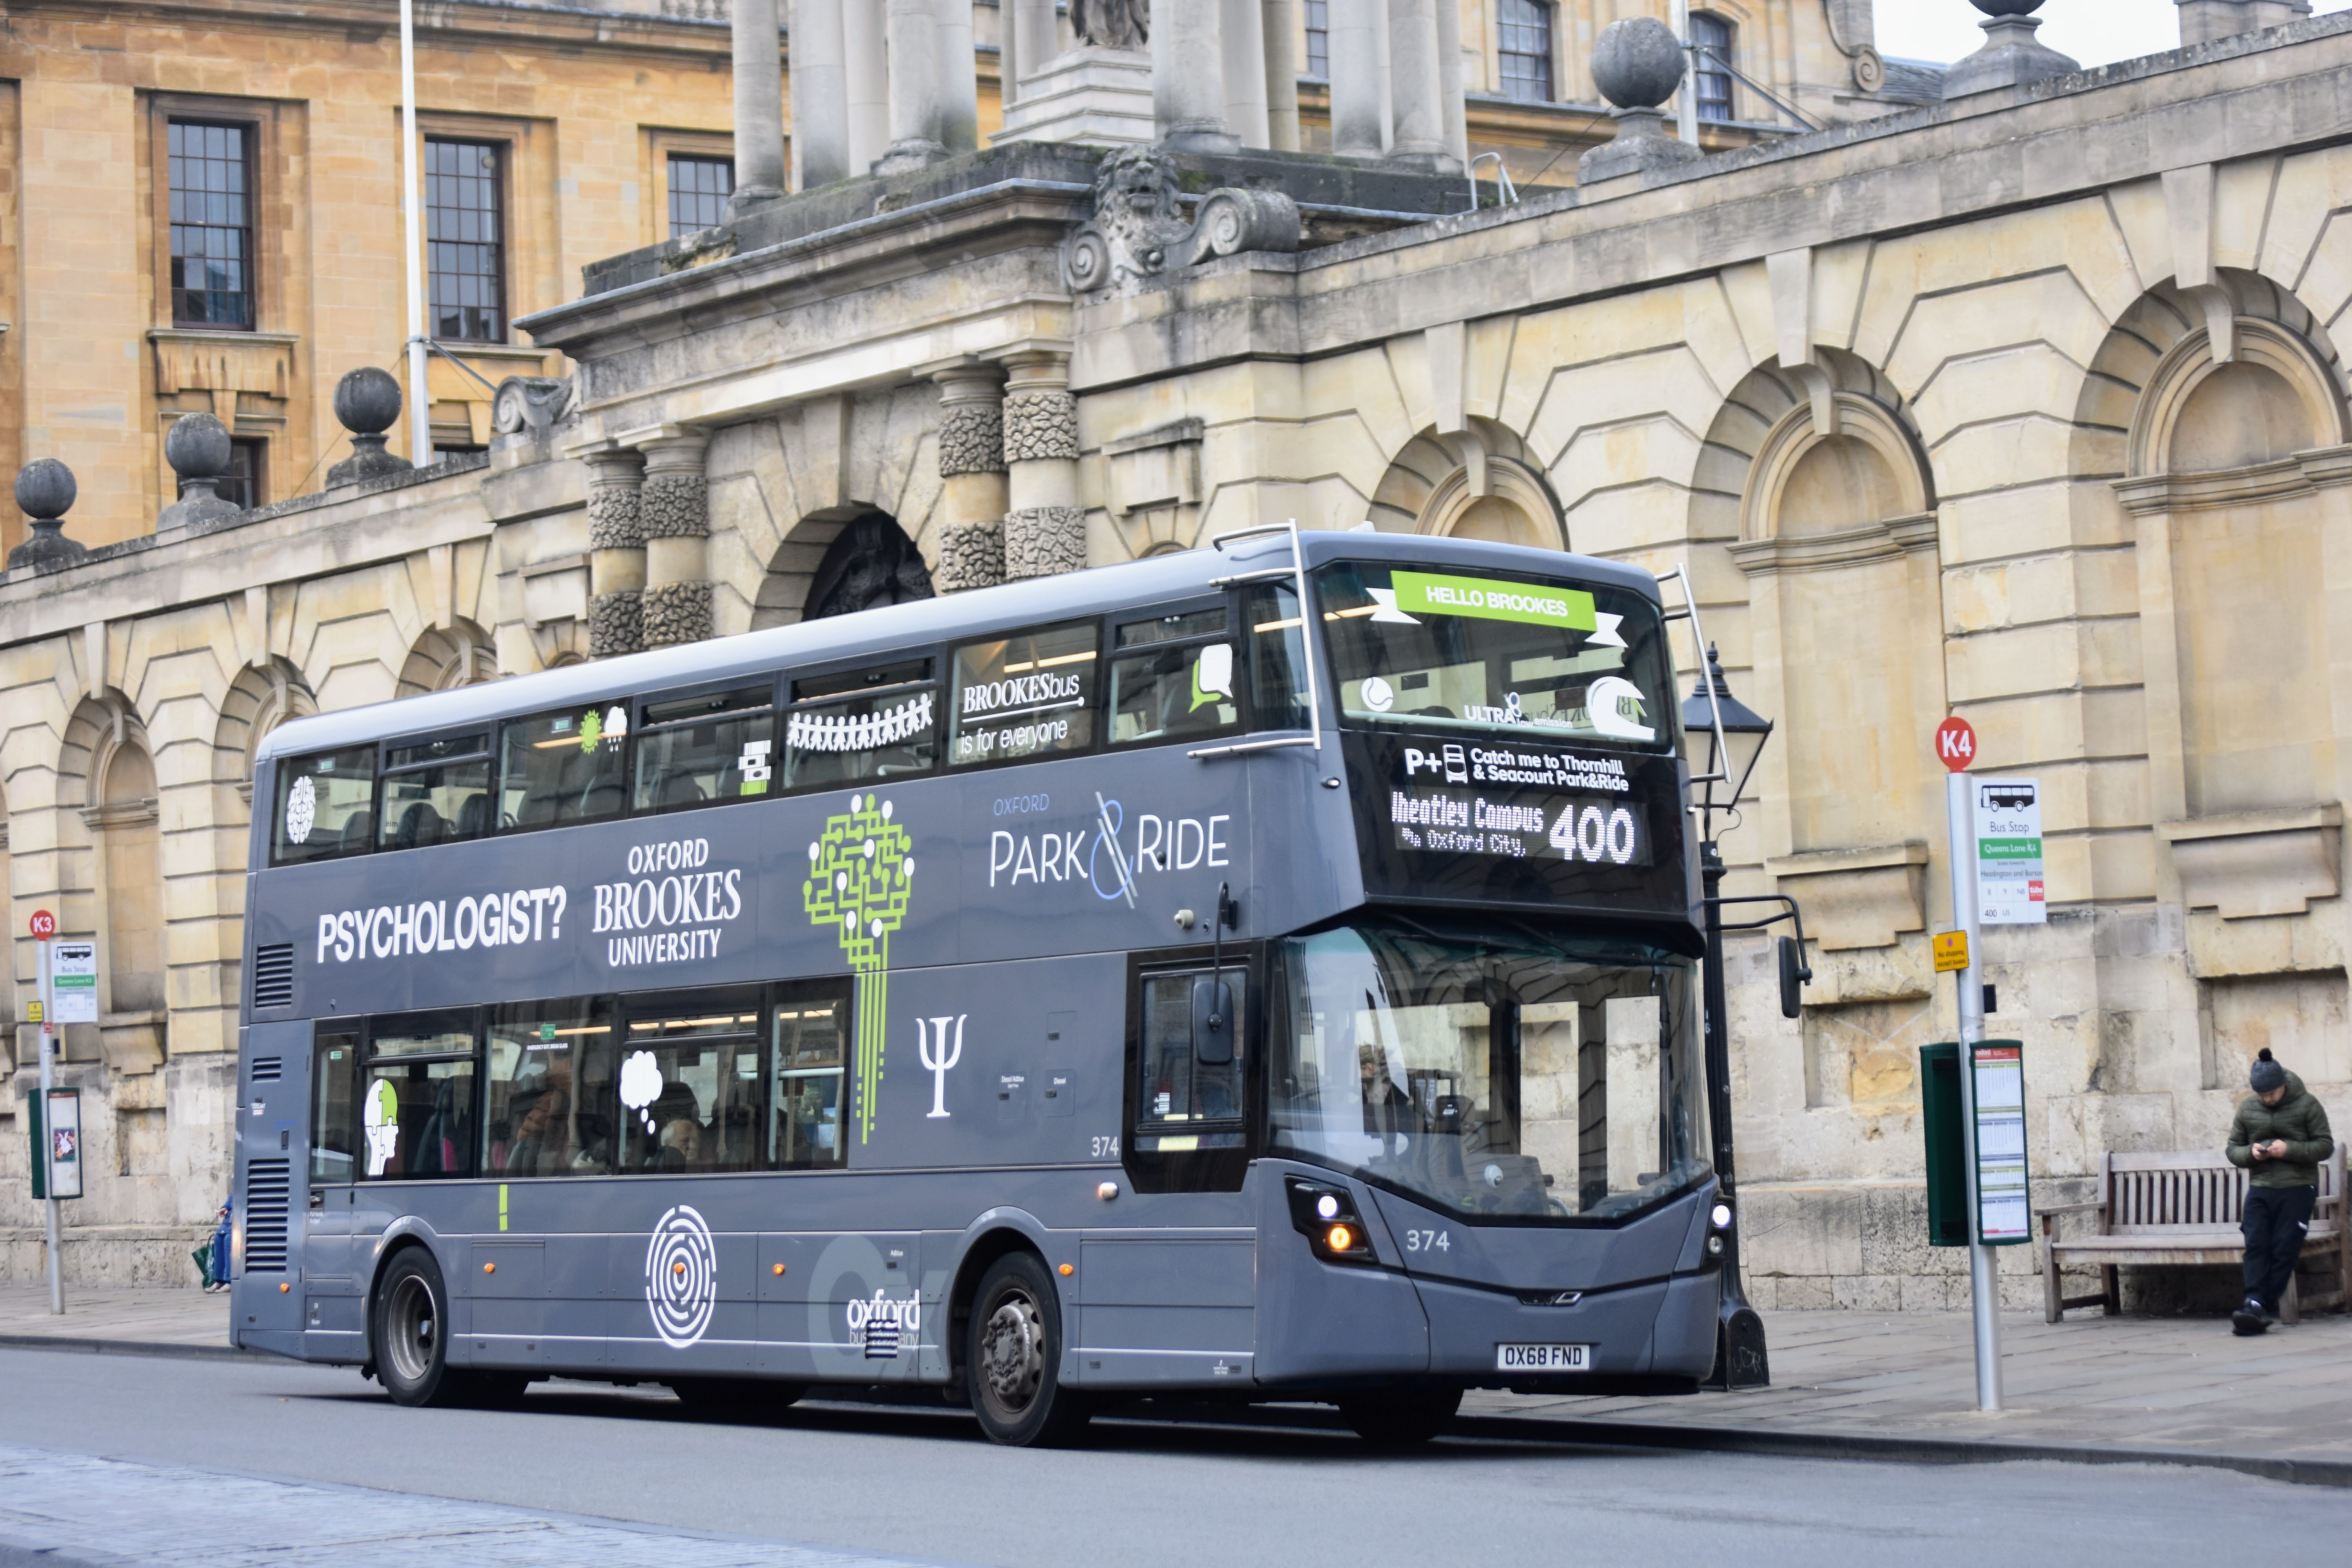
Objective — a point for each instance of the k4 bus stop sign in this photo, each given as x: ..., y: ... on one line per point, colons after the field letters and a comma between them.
x: 2009, y: 853
x: 57, y: 1144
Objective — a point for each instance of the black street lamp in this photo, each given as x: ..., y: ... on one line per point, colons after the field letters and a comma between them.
x: 1735, y: 736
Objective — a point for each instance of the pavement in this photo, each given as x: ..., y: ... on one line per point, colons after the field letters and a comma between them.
x: 1901, y: 1386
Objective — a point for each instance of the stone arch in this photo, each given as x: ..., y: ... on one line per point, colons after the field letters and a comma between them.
x: 261, y: 697
x: 1480, y: 482
x: 1766, y: 438
x: 2194, y: 421
x: 839, y: 560
x: 115, y: 885
x: 447, y: 657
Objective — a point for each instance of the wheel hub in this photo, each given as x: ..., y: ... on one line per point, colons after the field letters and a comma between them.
x: 1012, y: 1356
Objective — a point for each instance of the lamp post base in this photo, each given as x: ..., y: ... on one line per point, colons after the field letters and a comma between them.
x: 1740, y: 1361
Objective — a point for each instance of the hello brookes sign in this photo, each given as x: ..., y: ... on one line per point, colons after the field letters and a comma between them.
x: 670, y: 907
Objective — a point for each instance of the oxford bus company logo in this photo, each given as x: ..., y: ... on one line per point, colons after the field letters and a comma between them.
x: 681, y: 1277
x: 880, y: 1325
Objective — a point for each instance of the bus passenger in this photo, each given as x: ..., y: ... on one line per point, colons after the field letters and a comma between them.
x: 682, y: 1146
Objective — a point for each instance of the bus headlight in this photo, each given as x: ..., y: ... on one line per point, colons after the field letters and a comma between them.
x: 1325, y: 1214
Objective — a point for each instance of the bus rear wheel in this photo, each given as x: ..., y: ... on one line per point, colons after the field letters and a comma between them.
x: 412, y: 1341
x: 1013, y: 1358
x: 1402, y: 1420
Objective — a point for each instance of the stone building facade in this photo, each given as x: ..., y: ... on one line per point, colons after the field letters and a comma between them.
x: 2022, y: 406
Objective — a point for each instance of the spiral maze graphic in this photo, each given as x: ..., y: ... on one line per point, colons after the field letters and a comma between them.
x: 681, y: 1277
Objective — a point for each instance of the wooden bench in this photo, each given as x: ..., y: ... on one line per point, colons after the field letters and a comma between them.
x: 2180, y: 1208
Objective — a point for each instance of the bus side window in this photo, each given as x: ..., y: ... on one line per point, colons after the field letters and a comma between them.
x: 540, y: 1117
x: 565, y: 766
x: 692, y: 1085
x: 1277, y: 658
x: 865, y: 724
x: 1029, y: 695
x: 700, y: 750
x: 811, y: 1045
x: 335, y: 1072
x: 326, y: 807
x: 1167, y: 685
x: 416, y: 1100
x: 435, y: 792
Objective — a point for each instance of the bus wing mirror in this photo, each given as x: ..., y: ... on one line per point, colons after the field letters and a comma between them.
x: 1795, y: 974
x: 1212, y: 1021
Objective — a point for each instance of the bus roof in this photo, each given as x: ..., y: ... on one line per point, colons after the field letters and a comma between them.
x: 877, y: 633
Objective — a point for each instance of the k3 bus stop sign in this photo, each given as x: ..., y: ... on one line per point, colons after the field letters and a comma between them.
x: 57, y: 1144
x: 2009, y: 853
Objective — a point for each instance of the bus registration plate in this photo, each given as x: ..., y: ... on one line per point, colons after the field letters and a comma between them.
x: 1543, y: 1358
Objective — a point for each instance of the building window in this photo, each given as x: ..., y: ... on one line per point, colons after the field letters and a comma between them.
x: 465, y: 237
x: 241, y: 486
x: 1318, y: 38
x: 1525, y: 33
x: 212, y: 225
x: 698, y: 189
x: 1711, y: 56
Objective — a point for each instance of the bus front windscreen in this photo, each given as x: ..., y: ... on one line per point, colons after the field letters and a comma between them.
x: 1492, y: 1074
x: 1455, y: 650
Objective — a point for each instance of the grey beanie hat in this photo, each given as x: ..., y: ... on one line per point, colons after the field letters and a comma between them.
x: 2267, y: 1074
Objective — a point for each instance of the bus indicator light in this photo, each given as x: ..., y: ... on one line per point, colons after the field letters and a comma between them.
x: 1340, y: 1238
x: 1068, y: 1269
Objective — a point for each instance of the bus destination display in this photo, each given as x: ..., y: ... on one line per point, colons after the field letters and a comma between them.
x: 1516, y: 820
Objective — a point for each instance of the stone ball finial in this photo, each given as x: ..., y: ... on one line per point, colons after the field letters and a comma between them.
x: 197, y: 446
x: 2007, y: 7
x: 1637, y: 63
x: 367, y: 401
x: 45, y: 490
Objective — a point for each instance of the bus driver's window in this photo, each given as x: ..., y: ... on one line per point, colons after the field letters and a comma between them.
x: 417, y: 1101
x: 566, y: 766
x: 1182, y: 1102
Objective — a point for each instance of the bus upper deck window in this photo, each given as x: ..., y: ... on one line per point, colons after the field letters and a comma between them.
x: 435, y: 792
x: 1172, y: 678
x: 847, y: 728
x: 565, y: 766
x: 1029, y: 695
x: 1277, y: 658
x: 699, y: 750
x: 326, y: 807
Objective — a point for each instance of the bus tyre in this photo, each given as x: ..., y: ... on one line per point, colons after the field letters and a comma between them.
x: 1402, y: 1420
x: 1013, y: 1358
x: 411, y: 1342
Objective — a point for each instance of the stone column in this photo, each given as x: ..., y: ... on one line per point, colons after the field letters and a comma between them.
x: 616, y: 559
x: 1358, y: 126
x: 1188, y: 77
x: 1241, y: 42
x: 865, y: 54
x: 819, y: 94
x: 1449, y: 81
x: 1036, y: 40
x: 917, y: 125
x: 758, y: 106
x: 1280, y: 23
x: 1044, y: 527
x: 975, y: 494
x: 957, y: 85
x: 1416, y: 94
x: 674, y: 515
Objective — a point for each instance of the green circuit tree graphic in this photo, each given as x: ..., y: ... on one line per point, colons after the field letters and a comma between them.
x: 861, y: 874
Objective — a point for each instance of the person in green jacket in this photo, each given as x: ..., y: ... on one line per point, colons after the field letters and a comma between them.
x: 2281, y: 1135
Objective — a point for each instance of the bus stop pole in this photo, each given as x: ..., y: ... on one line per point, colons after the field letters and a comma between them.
x: 43, y: 1153
x: 1984, y: 1265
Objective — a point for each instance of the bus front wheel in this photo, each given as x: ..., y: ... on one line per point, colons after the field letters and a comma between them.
x: 412, y: 1338
x: 1013, y: 1358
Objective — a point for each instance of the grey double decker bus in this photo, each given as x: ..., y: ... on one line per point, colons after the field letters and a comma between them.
x: 1264, y: 973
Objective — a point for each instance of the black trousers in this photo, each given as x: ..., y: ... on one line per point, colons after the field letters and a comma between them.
x: 2276, y: 1221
